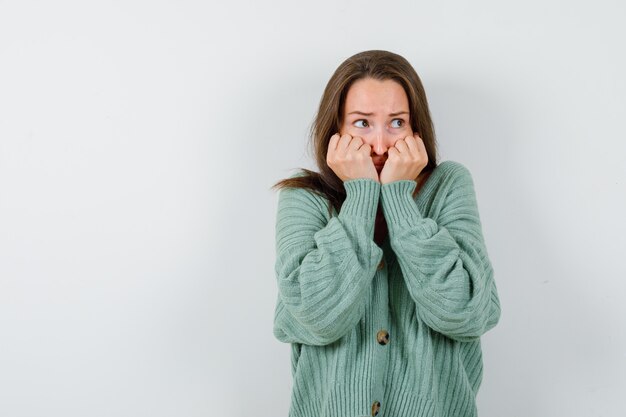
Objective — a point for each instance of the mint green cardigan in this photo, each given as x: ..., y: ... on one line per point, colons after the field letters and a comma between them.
x: 391, y: 330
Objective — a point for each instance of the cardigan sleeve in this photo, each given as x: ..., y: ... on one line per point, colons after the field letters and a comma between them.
x: 444, y: 263
x: 324, y: 266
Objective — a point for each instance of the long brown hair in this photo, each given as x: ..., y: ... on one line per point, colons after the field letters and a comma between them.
x: 379, y: 65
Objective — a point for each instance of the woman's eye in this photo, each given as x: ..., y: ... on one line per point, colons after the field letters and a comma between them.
x: 397, y: 123
x: 361, y: 123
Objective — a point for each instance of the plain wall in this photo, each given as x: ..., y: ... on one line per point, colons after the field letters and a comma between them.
x: 138, y: 142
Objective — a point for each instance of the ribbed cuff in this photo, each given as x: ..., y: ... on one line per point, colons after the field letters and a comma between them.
x: 362, y: 195
x: 397, y: 201
x: 400, y: 209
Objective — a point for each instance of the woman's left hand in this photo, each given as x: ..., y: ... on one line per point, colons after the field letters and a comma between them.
x: 405, y: 161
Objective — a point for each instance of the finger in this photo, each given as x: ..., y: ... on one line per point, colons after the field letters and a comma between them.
x: 365, y: 148
x: 332, y: 144
x: 412, y: 144
x: 344, y: 142
x: 420, y: 142
x: 401, y: 146
x: 356, y: 143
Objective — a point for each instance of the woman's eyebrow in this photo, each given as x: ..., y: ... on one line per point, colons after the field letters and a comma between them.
x: 398, y: 113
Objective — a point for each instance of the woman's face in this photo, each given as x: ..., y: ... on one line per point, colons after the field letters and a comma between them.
x: 378, y: 112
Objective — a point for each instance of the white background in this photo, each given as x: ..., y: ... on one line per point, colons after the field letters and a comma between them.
x: 138, y: 142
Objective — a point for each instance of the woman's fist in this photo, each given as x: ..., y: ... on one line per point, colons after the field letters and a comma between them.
x: 407, y: 158
x: 350, y: 158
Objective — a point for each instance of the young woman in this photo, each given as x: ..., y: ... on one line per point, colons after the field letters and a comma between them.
x: 384, y: 281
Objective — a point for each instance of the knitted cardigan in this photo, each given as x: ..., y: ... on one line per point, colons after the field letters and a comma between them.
x: 391, y: 330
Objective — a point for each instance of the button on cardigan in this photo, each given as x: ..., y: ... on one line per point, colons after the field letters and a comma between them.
x: 434, y: 295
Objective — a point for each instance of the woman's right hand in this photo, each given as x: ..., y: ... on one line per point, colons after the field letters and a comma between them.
x: 350, y: 158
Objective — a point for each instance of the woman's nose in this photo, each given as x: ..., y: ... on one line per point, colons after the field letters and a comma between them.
x: 380, y: 142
